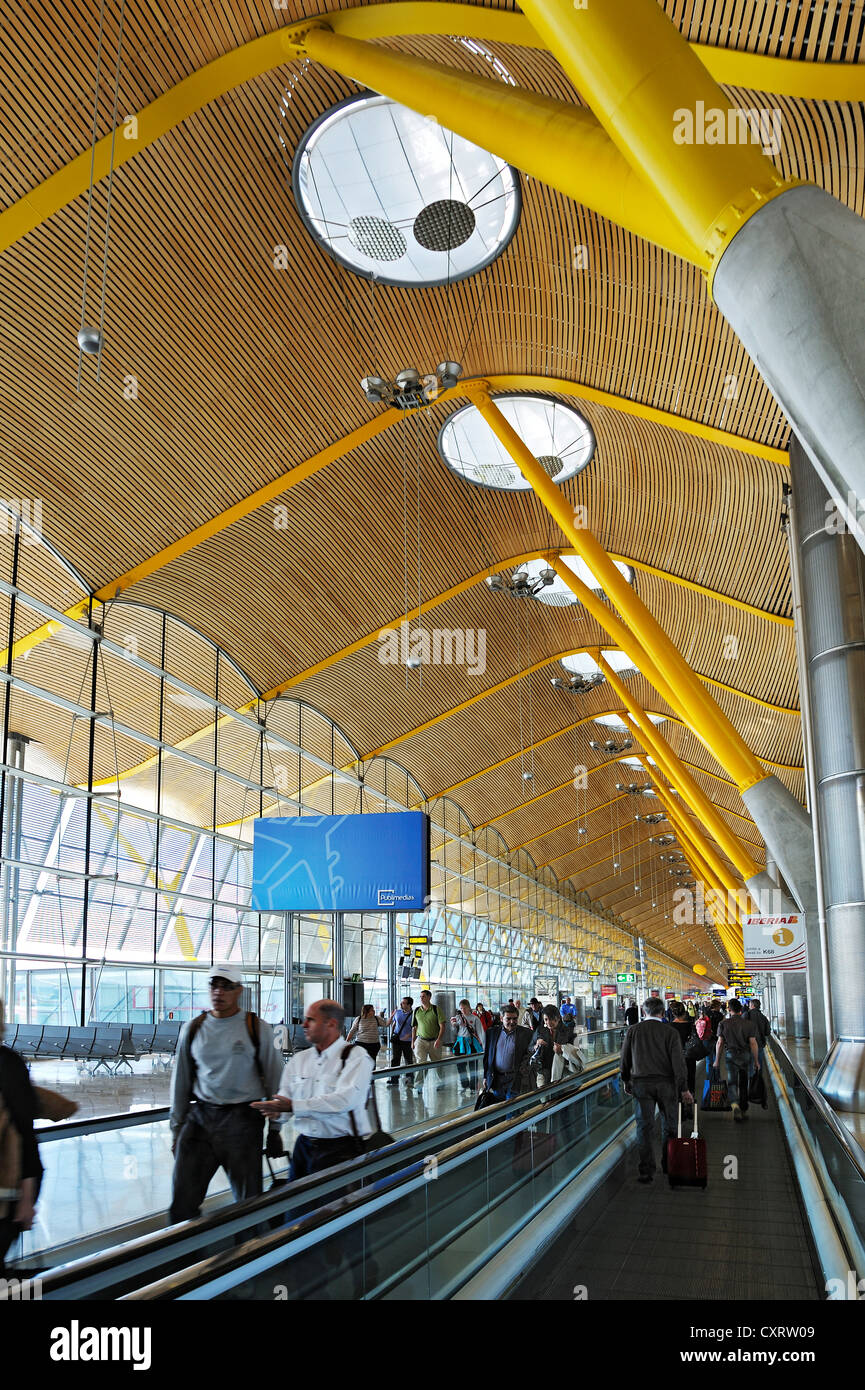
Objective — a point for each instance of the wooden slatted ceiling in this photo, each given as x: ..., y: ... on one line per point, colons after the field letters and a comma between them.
x: 155, y: 344
x: 223, y: 350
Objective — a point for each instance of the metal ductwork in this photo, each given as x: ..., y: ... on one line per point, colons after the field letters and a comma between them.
x: 831, y: 570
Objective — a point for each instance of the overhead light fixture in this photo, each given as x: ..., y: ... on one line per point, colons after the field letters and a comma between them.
x: 654, y: 819
x: 576, y: 684
x: 610, y: 746
x: 409, y: 390
x: 522, y: 583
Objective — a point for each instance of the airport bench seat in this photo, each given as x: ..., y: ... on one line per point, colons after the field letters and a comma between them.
x: 80, y: 1045
x: 141, y: 1037
x: 53, y: 1042
x: 27, y: 1039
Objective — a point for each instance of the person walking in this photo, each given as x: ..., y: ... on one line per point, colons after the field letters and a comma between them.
x: 20, y: 1166
x: 325, y: 1088
x: 469, y: 1040
x: 427, y: 1029
x: 225, y: 1059
x: 687, y: 1033
x: 484, y: 1015
x: 738, y: 1036
x: 506, y: 1057
x: 364, y: 1031
x: 632, y: 1014
x: 653, y: 1072
x: 763, y: 1027
x: 401, y: 1054
x: 551, y: 1038
x: 532, y: 1016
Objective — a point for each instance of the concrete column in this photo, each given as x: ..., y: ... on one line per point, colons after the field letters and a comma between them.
x: 831, y: 571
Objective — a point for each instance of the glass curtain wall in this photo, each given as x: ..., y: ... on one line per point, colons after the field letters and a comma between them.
x: 138, y: 756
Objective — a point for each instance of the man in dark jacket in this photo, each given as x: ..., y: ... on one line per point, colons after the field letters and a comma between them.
x: 506, y: 1056
x: 632, y: 1014
x: 654, y: 1073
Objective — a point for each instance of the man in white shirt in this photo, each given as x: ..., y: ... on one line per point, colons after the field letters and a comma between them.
x: 325, y: 1088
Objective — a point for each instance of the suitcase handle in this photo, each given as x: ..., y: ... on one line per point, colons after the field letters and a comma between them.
x: 694, y: 1134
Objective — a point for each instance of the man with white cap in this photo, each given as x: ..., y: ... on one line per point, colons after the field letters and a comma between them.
x: 225, y: 1059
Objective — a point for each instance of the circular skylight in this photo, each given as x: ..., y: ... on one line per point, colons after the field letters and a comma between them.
x: 395, y: 197
x: 613, y: 721
x: 556, y: 434
x: 581, y: 664
x: 558, y: 594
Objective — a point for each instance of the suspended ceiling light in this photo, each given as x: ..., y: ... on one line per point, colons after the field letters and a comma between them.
x: 635, y: 762
x: 395, y: 197
x: 558, y: 436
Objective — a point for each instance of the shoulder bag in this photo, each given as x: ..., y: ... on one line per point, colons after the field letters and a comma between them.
x: 379, y: 1139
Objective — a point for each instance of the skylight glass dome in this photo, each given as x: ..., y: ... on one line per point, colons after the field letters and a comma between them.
x: 395, y: 197
x: 613, y: 721
x: 558, y: 436
x: 581, y: 664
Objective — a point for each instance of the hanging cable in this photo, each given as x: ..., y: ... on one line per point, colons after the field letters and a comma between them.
x: 418, y: 478
x: 110, y: 188
x: 90, y: 195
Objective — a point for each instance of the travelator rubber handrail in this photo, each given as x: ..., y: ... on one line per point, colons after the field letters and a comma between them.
x: 265, y: 1251
x: 94, y: 1272
x: 98, y: 1124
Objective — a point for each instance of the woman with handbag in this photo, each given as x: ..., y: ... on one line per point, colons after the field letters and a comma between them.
x: 552, y: 1037
x: 469, y: 1041
x: 20, y: 1168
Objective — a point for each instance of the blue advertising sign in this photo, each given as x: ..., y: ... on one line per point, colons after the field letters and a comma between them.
x: 357, y: 863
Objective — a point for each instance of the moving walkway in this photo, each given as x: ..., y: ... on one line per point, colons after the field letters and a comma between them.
x: 462, y: 1209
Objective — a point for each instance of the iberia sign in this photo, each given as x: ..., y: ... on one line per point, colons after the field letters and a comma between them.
x: 774, y: 942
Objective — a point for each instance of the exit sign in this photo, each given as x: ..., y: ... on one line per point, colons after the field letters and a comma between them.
x: 626, y: 979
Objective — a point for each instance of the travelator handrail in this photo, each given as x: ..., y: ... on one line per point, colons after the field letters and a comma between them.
x: 98, y: 1124
x: 88, y: 1275
x: 265, y: 1250
x: 851, y: 1150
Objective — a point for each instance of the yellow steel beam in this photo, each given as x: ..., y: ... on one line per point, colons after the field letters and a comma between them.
x: 531, y: 382
x: 559, y: 143
x: 666, y: 669
x: 309, y: 467
x: 643, y: 82
x: 697, y: 850
x: 678, y: 776
x: 676, y: 773
x: 298, y: 474
x: 820, y: 81
x: 700, y: 589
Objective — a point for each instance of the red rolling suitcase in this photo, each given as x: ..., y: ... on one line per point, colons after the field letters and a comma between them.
x: 686, y: 1158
